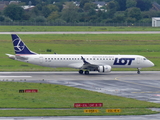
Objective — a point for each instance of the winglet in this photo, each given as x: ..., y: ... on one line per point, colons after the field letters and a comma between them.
x: 19, y: 46
x: 85, y: 62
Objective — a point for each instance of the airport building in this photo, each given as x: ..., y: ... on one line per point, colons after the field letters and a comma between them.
x: 156, y: 22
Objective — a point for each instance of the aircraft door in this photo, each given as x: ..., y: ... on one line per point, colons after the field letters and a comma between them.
x: 41, y: 59
x: 138, y: 60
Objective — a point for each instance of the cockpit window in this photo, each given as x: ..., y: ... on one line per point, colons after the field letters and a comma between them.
x: 144, y: 58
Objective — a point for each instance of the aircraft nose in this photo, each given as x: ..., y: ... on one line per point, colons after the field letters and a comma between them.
x: 151, y: 64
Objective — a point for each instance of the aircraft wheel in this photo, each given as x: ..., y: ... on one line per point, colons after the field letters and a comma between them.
x: 80, y: 71
x: 86, y: 72
x: 138, y: 71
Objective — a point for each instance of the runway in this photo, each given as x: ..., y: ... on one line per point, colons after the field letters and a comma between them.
x: 144, y: 86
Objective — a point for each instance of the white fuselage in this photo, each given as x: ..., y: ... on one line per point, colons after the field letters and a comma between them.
x: 75, y: 61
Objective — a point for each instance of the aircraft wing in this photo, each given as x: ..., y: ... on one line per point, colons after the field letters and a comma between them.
x: 88, y: 65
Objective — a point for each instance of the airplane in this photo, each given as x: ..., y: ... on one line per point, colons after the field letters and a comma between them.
x: 85, y: 63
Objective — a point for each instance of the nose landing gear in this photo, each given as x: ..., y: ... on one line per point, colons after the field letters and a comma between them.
x: 138, y: 70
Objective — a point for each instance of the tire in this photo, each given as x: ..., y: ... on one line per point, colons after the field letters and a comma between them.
x: 86, y: 72
x: 80, y: 71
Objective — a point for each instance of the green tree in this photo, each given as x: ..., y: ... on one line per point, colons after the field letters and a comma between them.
x: 39, y: 19
x: 83, y: 2
x: 134, y: 13
x: 121, y: 4
x: 119, y: 17
x: 131, y: 3
x: 70, y: 13
x: 46, y: 11
x: 130, y: 20
x: 88, y: 6
x: 14, y: 12
x: 59, y: 5
x: 35, y: 12
x: 53, y: 16
x: 26, y: 16
x: 144, y: 5
x: 2, y: 18
x: 111, y: 9
x: 150, y: 14
x: 59, y: 21
x: 53, y: 7
x: 146, y: 20
x: 52, y: 12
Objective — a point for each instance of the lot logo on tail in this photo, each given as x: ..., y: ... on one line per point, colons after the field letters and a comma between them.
x: 18, y: 45
x: 123, y: 61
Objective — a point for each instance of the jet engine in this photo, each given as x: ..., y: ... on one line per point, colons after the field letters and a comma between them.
x: 105, y: 68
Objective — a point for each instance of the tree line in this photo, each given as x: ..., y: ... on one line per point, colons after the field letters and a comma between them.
x: 67, y: 11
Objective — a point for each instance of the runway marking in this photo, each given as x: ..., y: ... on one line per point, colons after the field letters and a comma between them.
x: 14, y: 76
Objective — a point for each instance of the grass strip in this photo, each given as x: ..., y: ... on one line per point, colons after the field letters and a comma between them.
x: 59, y: 96
x: 75, y: 112
x: 51, y: 97
x: 74, y: 28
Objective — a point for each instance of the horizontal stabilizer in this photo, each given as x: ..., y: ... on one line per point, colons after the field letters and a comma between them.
x: 11, y: 56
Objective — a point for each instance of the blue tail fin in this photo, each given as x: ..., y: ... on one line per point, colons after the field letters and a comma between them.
x: 19, y: 46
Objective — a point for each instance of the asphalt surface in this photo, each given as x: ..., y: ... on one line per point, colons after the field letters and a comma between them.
x: 144, y: 86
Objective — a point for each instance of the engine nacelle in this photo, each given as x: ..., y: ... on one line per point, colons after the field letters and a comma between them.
x: 105, y: 68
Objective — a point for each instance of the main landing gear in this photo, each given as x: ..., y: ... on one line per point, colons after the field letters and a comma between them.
x: 138, y: 71
x: 85, y: 72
